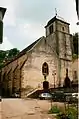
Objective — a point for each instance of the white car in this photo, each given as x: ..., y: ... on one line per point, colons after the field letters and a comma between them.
x: 45, y: 96
x: 76, y: 95
x: 15, y: 95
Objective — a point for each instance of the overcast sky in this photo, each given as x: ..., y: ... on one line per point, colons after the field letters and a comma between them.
x: 24, y: 20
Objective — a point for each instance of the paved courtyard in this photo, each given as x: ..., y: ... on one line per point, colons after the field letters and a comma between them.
x: 25, y: 109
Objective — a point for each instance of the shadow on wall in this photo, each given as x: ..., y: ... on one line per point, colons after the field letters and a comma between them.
x: 67, y: 82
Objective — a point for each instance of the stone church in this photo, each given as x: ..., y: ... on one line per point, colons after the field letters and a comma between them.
x: 23, y: 74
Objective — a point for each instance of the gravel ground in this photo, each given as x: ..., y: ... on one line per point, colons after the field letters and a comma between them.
x: 26, y: 109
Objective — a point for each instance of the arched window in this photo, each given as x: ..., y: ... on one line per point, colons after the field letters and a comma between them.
x: 51, y: 29
x: 45, y: 69
x: 62, y: 28
x: 75, y: 75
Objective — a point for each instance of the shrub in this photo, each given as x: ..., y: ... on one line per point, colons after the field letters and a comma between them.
x: 61, y: 115
x: 54, y: 109
x: 71, y: 113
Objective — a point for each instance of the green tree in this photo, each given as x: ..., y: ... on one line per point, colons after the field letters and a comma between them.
x: 13, y: 52
x: 75, y: 43
x: 7, y: 55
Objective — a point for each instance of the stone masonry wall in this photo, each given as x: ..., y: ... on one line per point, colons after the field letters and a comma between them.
x: 32, y: 70
x: 11, y: 75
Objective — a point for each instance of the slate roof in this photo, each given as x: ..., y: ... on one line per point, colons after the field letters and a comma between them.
x: 28, y: 48
x: 54, y: 19
x: 24, y: 51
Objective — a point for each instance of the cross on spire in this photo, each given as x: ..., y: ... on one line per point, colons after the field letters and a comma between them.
x: 55, y: 12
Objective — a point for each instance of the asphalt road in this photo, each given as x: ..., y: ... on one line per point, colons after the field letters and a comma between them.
x: 24, y: 109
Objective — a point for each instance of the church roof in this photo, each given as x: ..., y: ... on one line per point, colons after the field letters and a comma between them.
x: 24, y: 51
x: 56, y: 18
x: 28, y: 48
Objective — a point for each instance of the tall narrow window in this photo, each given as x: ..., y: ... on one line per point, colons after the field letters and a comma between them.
x: 66, y: 71
x: 51, y: 29
x: 75, y: 74
x: 62, y: 28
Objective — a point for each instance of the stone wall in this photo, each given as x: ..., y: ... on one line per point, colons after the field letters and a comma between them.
x: 32, y: 69
x: 24, y: 73
x: 75, y: 67
x: 11, y: 76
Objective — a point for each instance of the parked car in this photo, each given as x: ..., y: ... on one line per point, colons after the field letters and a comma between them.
x: 45, y: 96
x: 15, y: 95
x: 72, y: 97
x: 75, y: 95
x: 58, y: 96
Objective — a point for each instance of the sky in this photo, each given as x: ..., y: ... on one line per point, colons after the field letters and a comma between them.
x: 24, y: 20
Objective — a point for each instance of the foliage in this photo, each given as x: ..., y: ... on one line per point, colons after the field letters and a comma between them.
x: 61, y: 115
x: 54, y: 109
x: 7, y: 55
x: 71, y: 113
x: 75, y: 43
x: 75, y: 56
x: 68, y: 113
x: 13, y: 52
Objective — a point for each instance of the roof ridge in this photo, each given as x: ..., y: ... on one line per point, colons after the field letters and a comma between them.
x: 29, y: 47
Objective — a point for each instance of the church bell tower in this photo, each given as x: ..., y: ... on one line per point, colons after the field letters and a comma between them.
x: 57, y: 30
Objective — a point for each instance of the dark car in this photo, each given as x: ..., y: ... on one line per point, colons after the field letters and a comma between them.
x: 58, y: 96
x: 73, y: 98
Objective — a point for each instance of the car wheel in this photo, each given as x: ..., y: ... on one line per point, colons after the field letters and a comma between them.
x: 43, y: 98
x: 40, y: 98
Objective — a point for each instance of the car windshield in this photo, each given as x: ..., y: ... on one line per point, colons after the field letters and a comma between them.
x: 46, y: 94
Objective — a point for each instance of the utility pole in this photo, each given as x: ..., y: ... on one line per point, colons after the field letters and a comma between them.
x: 2, y: 12
x: 77, y: 10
